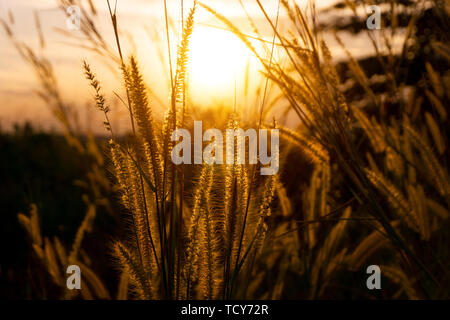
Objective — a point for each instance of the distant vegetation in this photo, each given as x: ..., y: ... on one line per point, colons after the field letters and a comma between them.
x: 364, y: 179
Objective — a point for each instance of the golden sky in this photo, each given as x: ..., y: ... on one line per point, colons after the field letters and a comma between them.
x: 219, y: 60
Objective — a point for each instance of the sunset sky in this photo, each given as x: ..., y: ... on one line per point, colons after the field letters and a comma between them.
x: 214, y: 52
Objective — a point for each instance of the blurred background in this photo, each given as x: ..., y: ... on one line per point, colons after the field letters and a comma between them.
x: 40, y: 164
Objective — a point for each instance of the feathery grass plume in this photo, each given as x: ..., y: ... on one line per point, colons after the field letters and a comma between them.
x: 173, y: 179
x: 86, y: 226
x: 99, y: 97
x: 357, y: 71
x: 394, y: 196
x: 120, y: 171
x: 178, y: 98
x: 264, y: 212
x: 435, y: 171
x: 54, y: 258
x: 208, y: 252
x: 372, y: 130
x: 251, y: 241
x: 324, y: 120
x: 128, y: 264
x: 89, y: 30
x: 405, y: 282
x: 133, y: 167
x: 207, y: 247
x: 435, y: 133
x: 407, y: 152
x: 295, y: 19
x: 183, y: 59
x: 285, y: 202
x: 232, y: 28
x: 328, y: 252
x: 140, y: 218
x: 325, y: 181
x: 26, y: 224
x: 230, y: 200
x: 437, y: 104
x: 38, y: 25
x: 61, y: 251
x: 94, y: 283
x: 435, y: 80
x: 143, y: 223
x: 146, y: 163
x: 372, y: 164
x: 394, y: 161
x: 367, y: 248
x: 315, y: 199
x: 142, y: 114
x: 39, y: 252
x: 196, y: 245
x: 31, y: 225
x: 86, y: 293
x: 417, y: 200
x: 437, y: 209
x: 52, y: 263
x: 35, y: 229
x: 175, y: 115
x: 310, y: 201
x: 236, y: 205
x: 442, y: 49
x: 417, y: 107
x: 122, y: 289
x: 279, y: 283
x: 192, y: 251
x: 49, y: 90
x: 341, y: 107
x: 169, y: 125
x: 312, y: 149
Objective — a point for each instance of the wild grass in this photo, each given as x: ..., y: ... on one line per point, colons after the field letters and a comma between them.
x: 378, y: 192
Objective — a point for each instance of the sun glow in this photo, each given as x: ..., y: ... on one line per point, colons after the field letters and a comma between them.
x: 217, y: 59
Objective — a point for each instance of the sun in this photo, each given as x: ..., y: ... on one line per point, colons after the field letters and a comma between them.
x: 218, y: 59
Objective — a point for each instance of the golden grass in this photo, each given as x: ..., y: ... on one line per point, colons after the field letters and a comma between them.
x: 236, y: 235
